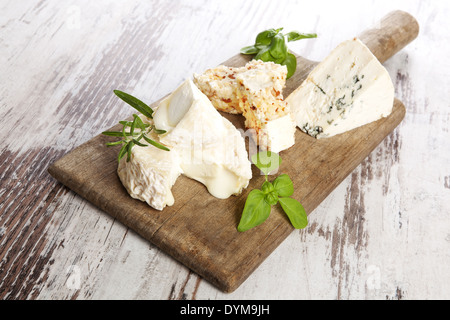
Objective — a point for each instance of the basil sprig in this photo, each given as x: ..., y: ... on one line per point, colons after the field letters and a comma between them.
x: 259, y: 202
x: 138, y: 130
x: 270, y: 45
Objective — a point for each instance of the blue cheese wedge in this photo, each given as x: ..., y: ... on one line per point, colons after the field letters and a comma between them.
x: 254, y: 90
x: 349, y: 89
x: 211, y: 150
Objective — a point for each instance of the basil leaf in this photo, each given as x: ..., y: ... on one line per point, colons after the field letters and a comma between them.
x: 294, y: 36
x: 278, y: 48
x: 249, y: 50
x: 295, y: 212
x: 256, y: 211
x: 265, y: 38
x: 135, y: 103
x: 291, y: 63
x: 283, y: 185
x: 271, y: 198
x: 266, y: 161
x: 267, y: 187
x: 264, y: 55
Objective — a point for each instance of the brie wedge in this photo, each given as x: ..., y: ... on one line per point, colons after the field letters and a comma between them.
x: 350, y: 88
x: 150, y: 174
x: 211, y: 150
x: 254, y: 90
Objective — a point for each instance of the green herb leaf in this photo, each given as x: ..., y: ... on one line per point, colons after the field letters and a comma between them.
x: 156, y: 144
x: 130, y: 145
x: 139, y: 123
x: 122, y: 152
x: 283, y: 185
x: 133, y: 125
x: 264, y: 55
x: 115, y: 143
x: 138, y: 129
x: 250, y: 50
x: 278, y: 48
x: 135, y: 103
x: 265, y: 38
x: 271, y: 198
x: 115, y: 133
x: 259, y: 202
x: 270, y: 45
x: 291, y: 63
x: 295, y: 212
x: 136, y: 142
x: 266, y: 161
x: 159, y: 131
x: 256, y: 211
x: 294, y: 36
x: 126, y: 123
x: 267, y: 187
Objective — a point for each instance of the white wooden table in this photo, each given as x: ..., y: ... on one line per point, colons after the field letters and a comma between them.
x: 384, y: 233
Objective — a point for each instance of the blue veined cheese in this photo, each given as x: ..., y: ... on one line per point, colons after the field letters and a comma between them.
x: 211, y: 150
x: 350, y: 88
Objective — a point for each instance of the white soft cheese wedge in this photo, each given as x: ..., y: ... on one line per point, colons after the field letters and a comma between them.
x: 212, y: 151
x: 350, y: 88
x: 150, y: 174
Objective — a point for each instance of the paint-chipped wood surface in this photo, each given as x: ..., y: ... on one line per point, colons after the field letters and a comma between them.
x: 383, y: 233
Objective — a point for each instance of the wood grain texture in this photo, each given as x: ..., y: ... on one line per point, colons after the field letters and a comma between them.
x: 199, y: 230
x: 381, y: 234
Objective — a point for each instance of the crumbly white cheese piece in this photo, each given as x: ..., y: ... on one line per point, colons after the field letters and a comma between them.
x: 256, y: 91
x: 212, y: 151
x: 150, y: 174
x: 350, y: 88
x: 219, y: 85
x: 261, y: 100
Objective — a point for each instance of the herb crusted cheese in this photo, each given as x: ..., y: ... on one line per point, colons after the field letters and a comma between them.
x: 254, y: 90
x: 350, y: 88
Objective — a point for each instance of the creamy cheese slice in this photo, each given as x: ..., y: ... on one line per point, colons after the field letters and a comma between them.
x: 150, y: 174
x: 211, y: 150
x: 350, y: 88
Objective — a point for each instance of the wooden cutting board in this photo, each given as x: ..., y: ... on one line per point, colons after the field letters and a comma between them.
x: 200, y: 230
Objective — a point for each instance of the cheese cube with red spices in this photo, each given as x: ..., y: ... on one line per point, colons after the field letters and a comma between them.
x: 254, y: 90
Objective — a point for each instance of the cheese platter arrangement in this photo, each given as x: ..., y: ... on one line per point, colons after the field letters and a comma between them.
x: 220, y: 171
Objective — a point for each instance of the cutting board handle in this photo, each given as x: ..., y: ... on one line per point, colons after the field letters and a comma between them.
x: 393, y: 33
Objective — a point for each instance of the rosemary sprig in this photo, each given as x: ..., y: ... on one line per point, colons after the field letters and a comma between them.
x: 134, y: 131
